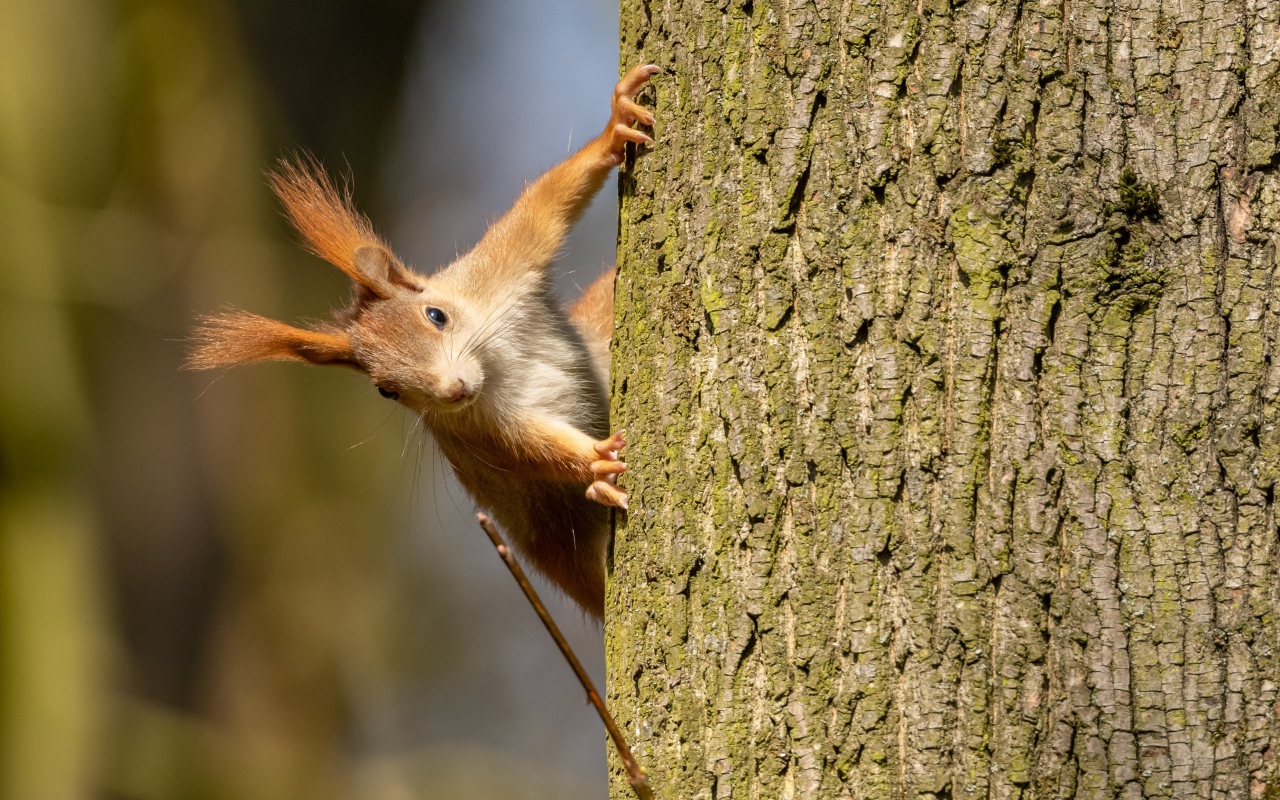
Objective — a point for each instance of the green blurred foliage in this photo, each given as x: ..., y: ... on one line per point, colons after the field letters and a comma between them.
x: 197, y: 585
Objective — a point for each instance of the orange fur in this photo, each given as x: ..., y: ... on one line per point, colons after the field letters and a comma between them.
x: 553, y: 451
x: 331, y: 226
x: 529, y: 236
x: 592, y: 314
x: 548, y: 521
x: 238, y: 337
x: 481, y: 351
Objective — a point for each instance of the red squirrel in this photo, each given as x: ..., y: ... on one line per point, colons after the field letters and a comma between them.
x: 511, y: 385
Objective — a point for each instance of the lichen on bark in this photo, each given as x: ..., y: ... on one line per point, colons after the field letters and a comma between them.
x: 945, y: 341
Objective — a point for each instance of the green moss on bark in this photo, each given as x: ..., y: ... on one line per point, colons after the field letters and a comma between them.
x: 945, y: 338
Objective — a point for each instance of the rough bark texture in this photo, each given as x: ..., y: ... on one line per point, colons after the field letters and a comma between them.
x: 945, y: 342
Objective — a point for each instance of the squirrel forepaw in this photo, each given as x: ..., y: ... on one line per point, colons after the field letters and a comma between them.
x: 626, y: 112
x: 605, y: 489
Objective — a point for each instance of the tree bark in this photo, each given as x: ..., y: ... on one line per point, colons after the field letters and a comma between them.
x: 945, y: 345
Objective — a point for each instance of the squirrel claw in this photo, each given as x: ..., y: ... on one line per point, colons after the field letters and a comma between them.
x: 633, y: 112
x: 605, y: 489
x: 625, y: 133
x: 608, y: 494
x: 635, y: 79
x: 608, y: 448
x: 625, y: 112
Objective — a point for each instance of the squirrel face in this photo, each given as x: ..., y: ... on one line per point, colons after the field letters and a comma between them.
x: 422, y: 348
x: 419, y: 341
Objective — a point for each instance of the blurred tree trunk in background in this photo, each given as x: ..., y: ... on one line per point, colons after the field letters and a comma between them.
x: 947, y: 344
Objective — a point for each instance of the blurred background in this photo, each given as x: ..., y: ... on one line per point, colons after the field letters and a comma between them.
x: 263, y: 584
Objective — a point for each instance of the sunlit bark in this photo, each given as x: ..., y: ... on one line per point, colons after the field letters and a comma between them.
x: 945, y: 344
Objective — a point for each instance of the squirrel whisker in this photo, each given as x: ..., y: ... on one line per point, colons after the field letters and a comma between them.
x: 511, y: 385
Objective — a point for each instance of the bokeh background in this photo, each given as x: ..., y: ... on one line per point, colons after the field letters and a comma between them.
x: 262, y: 584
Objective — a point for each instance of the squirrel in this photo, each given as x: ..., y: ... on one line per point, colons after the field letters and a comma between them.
x: 511, y: 385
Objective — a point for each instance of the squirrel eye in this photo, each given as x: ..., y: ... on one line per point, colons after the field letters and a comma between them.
x: 388, y: 394
x: 437, y: 317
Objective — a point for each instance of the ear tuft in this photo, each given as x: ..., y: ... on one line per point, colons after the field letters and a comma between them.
x: 238, y: 337
x: 325, y: 217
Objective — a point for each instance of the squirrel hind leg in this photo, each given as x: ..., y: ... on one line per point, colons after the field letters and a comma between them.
x: 592, y: 315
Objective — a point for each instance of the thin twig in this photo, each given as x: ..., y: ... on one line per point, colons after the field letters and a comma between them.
x: 636, y: 775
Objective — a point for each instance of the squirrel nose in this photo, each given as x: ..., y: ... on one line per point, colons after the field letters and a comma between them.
x: 460, y: 391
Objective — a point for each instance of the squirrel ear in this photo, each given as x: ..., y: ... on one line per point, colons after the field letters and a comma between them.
x: 238, y: 337
x: 379, y: 265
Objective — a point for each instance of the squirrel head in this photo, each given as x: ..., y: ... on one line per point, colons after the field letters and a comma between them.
x: 414, y: 337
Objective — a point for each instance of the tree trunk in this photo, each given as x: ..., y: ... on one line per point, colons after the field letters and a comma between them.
x: 945, y: 343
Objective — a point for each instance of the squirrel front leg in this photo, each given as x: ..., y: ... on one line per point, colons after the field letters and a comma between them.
x: 556, y: 450
x: 528, y: 237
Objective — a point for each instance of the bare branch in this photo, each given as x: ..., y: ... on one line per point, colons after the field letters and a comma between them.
x: 636, y: 775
